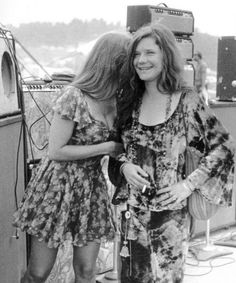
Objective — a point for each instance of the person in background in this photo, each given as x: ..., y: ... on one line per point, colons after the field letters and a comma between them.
x: 200, y: 79
x: 67, y: 196
x: 150, y: 176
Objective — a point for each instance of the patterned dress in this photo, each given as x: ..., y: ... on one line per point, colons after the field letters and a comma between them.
x: 68, y: 200
x: 157, y: 236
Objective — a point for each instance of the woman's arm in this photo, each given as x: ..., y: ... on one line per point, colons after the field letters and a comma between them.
x: 125, y: 171
x: 60, y: 133
x: 214, y: 177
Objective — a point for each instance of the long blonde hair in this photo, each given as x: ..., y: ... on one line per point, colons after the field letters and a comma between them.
x: 100, y: 74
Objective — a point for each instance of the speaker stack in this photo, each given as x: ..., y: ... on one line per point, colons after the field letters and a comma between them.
x: 9, y: 100
x: 226, y: 69
x: 12, y: 162
x: 180, y: 22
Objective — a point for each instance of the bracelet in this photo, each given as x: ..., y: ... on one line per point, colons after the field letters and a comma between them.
x: 190, y: 185
x: 186, y: 185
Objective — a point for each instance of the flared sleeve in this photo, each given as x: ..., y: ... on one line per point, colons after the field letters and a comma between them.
x: 71, y: 105
x: 214, y: 177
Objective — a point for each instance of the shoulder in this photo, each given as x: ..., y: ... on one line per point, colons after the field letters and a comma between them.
x: 191, y: 100
x: 71, y: 105
x: 70, y: 93
x: 188, y: 95
x: 70, y: 97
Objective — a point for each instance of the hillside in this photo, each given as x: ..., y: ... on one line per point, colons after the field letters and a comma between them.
x: 61, y: 48
x: 54, y: 45
x: 208, y: 45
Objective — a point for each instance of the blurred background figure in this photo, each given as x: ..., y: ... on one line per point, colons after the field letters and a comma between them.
x: 200, y: 81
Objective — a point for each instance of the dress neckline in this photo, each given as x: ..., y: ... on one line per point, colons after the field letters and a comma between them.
x: 137, y: 112
x: 95, y: 119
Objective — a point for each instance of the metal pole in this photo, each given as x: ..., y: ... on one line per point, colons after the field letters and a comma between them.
x: 114, y: 274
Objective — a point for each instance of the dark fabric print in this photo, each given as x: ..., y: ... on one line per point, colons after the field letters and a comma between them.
x: 158, y: 243
x: 206, y: 135
x: 68, y: 200
x: 157, y: 235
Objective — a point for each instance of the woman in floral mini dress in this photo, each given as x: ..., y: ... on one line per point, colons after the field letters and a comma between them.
x: 67, y: 197
x: 155, y: 103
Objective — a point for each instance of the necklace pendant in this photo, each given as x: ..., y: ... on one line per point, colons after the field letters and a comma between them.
x: 124, y: 250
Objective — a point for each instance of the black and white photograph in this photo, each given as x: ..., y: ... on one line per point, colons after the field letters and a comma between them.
x: 117, y: 141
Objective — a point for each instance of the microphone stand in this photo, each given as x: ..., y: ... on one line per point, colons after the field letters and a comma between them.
x: 114, y: 274
x: 207, y: 251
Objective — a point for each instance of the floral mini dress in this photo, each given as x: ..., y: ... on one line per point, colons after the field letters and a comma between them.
x: 69, y: 200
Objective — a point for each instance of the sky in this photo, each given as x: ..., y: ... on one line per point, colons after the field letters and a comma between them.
x: 213, y: 17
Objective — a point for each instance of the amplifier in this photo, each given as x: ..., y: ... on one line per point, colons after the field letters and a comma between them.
x: 43, y: 86
x: 189, y: 74
x: 180, y: 22
x: 9, y: 97
x: 226, y: 69
x: 185, y: 45
x: 39, y: 97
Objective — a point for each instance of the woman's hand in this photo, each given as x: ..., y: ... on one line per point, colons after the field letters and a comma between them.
x: 174, y: 194
x: 135, y: 175
x: 115, y: 148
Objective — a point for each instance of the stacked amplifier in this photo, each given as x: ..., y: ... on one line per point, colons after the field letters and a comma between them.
x: 9, y: 96
x: 180, y: 22
x: 39, y: 97
x: 226, y: 69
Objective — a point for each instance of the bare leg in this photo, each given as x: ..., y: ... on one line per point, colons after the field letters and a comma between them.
x: 41, y: 262
x: 84, y: 262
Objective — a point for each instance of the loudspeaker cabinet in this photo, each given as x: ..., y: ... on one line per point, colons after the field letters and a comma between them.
x: 226, y: 69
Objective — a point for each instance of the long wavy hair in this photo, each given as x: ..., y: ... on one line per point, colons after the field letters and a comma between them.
x: 100, y: 74
x: 169, y: 81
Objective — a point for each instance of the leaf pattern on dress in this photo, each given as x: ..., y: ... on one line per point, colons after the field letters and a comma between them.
x: 69, y: 200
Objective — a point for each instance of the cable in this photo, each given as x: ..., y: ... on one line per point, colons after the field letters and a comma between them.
x: 18, y: 68
x: 36, y: 103
x: 17, y: 164
x: 211, y: 266
x: 39, y: 148
x: 49, y: 79
x: 10, y: 47
x: 22, y: 81
x: 30, y: 139
x: 232, y: 260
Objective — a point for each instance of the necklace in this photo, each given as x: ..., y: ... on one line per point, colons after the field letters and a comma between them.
x: 168, y: 106
x: 134, y: 127
x: 132, y: 156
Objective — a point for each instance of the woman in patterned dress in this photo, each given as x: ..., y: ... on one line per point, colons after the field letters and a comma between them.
x: 155, y: 99
x: 67, y: 197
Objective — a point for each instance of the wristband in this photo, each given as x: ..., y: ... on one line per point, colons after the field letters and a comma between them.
x: 187, y: 186
x: 190, y: 185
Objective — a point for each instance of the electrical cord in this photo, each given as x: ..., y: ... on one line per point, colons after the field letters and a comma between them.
x: 210, y: 265
x: 9, y: 44
x: 17, y: 164
x: 49, y: 79
x: 30, y: 130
